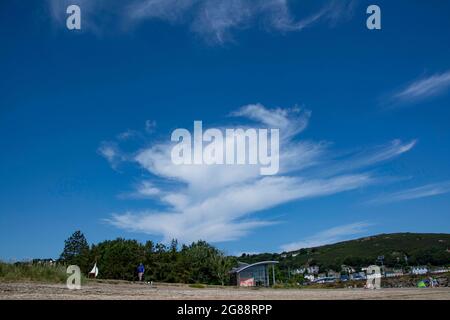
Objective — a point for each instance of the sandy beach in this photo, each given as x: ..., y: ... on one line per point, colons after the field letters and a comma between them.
x: 139, y: 291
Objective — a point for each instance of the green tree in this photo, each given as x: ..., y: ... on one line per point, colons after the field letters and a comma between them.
x: 222, y: 266
x: 198, y: 257
x: 76, y: 251
x: 118, y: 259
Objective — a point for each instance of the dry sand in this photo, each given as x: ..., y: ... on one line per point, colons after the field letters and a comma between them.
x: 134, y: 291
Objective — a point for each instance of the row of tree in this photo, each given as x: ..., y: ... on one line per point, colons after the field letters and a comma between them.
x: 199, y: 262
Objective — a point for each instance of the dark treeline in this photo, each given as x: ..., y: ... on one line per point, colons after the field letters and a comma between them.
x: 118, y: 259
x: 201, y: 262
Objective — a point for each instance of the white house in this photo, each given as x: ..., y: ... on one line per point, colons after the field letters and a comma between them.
x: 313, y: 269
x: 391, y: 274
x: 419, y: 270
x: 309, y: 277
x: 299, y: 271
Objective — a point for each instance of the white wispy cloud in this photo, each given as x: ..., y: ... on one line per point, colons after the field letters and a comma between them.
x: 369, y: 157
x: 214, y: 20
x: 126, y: 135
x: 221, y: 202
x: 111, y: 152
x: 423, y: 88
x: 428, y: 190
x: 225, y: 215
x: 150, y: 126
x: 291, y: 121
x: 142, y: 190
x: 329, y: 236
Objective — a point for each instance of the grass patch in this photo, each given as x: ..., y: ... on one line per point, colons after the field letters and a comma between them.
x: 33, y: 272
x: 286, y: 286
x: 197, y: 285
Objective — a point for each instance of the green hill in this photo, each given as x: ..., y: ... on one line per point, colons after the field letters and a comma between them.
x: 418, y: 248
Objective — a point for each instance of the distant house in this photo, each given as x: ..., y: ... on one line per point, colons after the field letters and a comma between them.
x: 308, y: 270
x: 392, y: 272
x: 419, y: 270
x: 313, y: 269
x: 310, y: 277
x: 347, y: 269
x: 299, y: 271
x: 47, y: 262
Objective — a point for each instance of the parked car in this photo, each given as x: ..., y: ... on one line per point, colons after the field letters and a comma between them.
x: 325, y: 280
x: 345, y: 277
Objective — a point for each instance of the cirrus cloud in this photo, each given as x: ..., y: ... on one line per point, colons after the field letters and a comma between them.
x: 425, y: 191
x: 214, y: 20
x: 222, y: 202
x: 422, y: 89
x: 329, y: 236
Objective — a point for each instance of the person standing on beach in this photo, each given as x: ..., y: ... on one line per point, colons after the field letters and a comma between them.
x: 141, y: 270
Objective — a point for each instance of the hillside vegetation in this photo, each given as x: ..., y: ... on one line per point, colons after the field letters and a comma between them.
x: 418, y: 248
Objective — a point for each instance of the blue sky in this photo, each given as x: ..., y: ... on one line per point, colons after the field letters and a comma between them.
x: 84, y: 114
